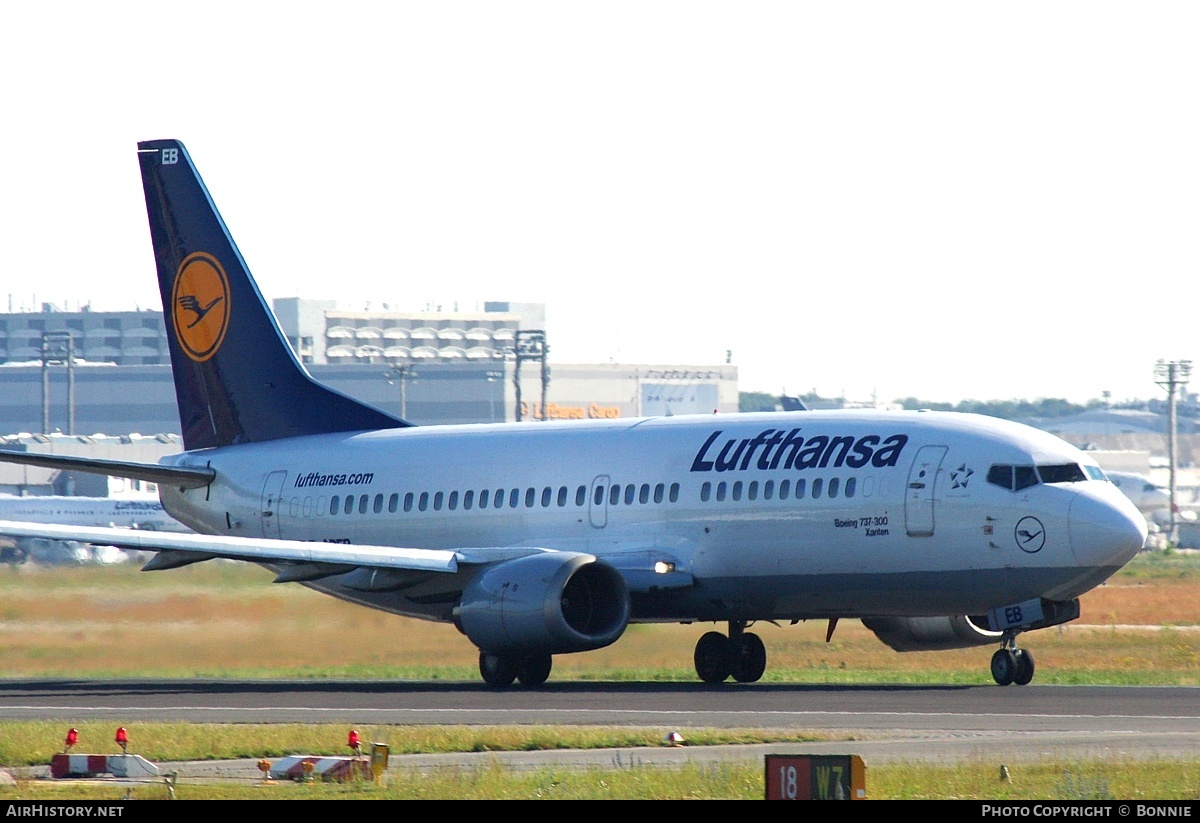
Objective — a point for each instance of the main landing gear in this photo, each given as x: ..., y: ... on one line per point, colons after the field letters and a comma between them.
x: 1012, y: 665
x: 741, y: 655
x: 501, y: 670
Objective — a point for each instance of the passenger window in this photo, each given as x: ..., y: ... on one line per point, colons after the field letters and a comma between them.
x: 438, y: 497
x: 378, y: 507
x: 705, y: 492
x: 483, y: 499
x: 598, y: 498
x: 614, y: 494
x: 393, y: 502
x: 333, y: 504
x: 468, y: 499
x: 768, y: 489
x: 530, y: 497
x: 784, y: 486
x: 498, y: 499
x: 349, y: 507
x: 800, y: 489
x: 630, y: 491
x: 514, y: 497
x: 674, y: 492
x: 408, y: 501
x: 851, y: 486
x: 547, y: 493
x: 833, y: 486
x: 816, y: 488
x: 581, y: 495
x: 721, y: 491
x: 752, y: 490
x: 562, y: 496
x: 423, y: 501
x: 658, y: 493
x: 737, y: 490
x: 452, y: 501
x: 363, y: 501
x: 644, y: 493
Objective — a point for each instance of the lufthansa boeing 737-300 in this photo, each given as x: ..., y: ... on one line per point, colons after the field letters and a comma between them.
x: 937, y: 530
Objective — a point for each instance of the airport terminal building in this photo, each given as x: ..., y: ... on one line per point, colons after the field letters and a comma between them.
x: 86, y: 373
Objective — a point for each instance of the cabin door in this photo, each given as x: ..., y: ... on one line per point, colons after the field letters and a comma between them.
x: 271, y: 504
x: 920, y: 493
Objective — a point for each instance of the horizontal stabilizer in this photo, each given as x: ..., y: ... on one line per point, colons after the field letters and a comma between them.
x: 188, y: 477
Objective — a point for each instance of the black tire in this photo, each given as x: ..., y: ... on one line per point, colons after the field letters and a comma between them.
x: 713, y: 658
x: 750, y: 660
x: 1025, y: 667
x: 1004, y: 667
x: 533, y: 670
x: 498, y: 670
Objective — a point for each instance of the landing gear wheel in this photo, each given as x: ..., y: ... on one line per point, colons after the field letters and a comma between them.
x: 1004, y: 667
x: 713, y: 657
x: 750, y: 659
x: 497, y: 669
x: 533, y: 670
x: 1024, y: 667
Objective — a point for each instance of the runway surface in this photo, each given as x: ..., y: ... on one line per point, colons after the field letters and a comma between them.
x: 880, y: 723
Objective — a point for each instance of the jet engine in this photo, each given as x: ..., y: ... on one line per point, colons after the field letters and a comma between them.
x: 924, y: 634
x: 553, y: 602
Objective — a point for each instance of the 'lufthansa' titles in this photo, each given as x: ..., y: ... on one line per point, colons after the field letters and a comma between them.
x: 776, y: 449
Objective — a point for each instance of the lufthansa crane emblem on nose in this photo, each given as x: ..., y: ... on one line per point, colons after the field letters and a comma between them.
x: 1030, y: 534
x: 200, y: 306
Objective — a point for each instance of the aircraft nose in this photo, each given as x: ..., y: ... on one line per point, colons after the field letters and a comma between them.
x: 1106, y: 529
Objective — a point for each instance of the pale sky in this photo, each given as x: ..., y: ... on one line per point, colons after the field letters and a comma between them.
x: 947, y: 200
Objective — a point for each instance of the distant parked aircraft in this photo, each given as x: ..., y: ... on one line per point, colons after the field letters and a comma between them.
x: 119, y: 512
x: 1152, y: 499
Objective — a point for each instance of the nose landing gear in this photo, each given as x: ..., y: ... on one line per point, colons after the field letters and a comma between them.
x: 1012, y: 665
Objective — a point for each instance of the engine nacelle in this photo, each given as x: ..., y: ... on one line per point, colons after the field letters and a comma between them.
x: 554, y: 602
x: 924, y: 634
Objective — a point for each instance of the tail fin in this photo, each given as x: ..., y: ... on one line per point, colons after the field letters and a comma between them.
x: 236, y: 377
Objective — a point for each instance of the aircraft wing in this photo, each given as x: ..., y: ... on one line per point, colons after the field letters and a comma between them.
x: 643, y: 570
x: 173, y: 550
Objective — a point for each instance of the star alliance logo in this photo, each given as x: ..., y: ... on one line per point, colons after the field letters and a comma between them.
x: 960, y: 477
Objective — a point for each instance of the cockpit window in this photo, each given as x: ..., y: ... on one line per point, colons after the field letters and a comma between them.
x: 1016, y: 478
x: 1062, y: 473
x: 1095, y: 472
x: 1024, y: 477
x: 1000, y: 476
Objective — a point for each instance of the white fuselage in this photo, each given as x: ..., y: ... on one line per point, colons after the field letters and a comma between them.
x: 775, y: 515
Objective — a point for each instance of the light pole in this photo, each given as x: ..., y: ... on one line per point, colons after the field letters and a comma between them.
x: 58, y: 349
x: 401, y: 374
x: 531, y: 345
x: 492, y: 377
x: 1172, y: 375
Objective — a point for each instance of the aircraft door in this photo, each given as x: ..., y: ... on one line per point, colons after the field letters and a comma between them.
x: 598, y: 502
x: 919, y: 493
x: 272, y: 505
